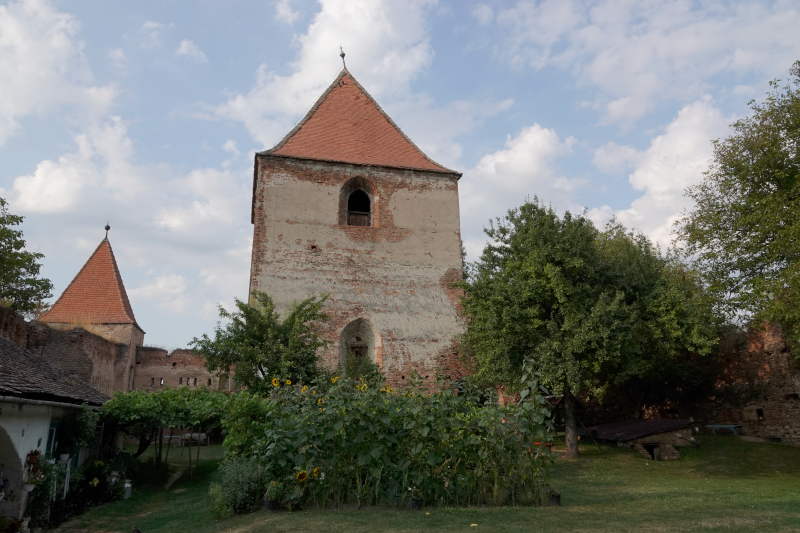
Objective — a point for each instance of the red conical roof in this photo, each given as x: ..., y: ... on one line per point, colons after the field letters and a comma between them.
x: 96, y: 295
x: 347, y: 125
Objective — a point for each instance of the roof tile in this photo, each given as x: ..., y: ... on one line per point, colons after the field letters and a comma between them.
x: 347, y: 125
x: 96, y: 295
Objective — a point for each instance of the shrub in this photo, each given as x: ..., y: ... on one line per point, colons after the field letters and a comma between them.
x: 217, y: 503
x: 242, y: 488
x: 359, y: 442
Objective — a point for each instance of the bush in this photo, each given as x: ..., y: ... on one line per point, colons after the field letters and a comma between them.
x: 242, y: 488
x: 358, y: 442
x: 217, y: 503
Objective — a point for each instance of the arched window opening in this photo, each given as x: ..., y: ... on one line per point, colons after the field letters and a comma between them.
x: 357, y: 348
x: 358, y: 208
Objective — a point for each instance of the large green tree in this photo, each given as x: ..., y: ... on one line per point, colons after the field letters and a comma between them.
x: 586, y: 309
x: 21, y: 286
x: 260, y: 345
x: 745, y: 227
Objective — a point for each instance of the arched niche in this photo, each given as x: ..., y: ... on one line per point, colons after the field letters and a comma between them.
x: 358, y: 344
x: 357, y: 203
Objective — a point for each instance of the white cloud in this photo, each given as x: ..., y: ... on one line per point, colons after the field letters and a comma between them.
x: 386, y: 45
x: 150, y: 33
x: 639, y: 53
x: 483, y: 13
x: 118, y: 58
x: 42, y: 65
x: 168, y: 291
x: 675, y: 160
x: 101, y: 159
x: 285, y: 12
x: 612, y: 157
x: 190, y: 49
x: 525, y: 167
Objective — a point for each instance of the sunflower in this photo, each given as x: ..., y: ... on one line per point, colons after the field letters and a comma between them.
x: 334, y: 379
x: 315, y: 472
x: 301, y: 476
x: 276, y: 382
x: 304, y: 388
x: 288, y: 382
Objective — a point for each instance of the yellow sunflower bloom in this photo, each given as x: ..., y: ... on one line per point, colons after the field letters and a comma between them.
x: 301, y: 476
x: 288, y: 381
x: 334, y: 379
x: 304, y: 388
x: 276, y: 382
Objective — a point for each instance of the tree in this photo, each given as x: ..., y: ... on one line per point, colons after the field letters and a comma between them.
x: 260, y: 346
x: 744, y: 230
x: 21, y: 287
x: 586, y: 309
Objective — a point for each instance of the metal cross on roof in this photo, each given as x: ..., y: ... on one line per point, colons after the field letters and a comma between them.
x: 342, y: 54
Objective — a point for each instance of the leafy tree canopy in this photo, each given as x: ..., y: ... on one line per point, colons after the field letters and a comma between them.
x: 21, y: 287
x: 259, y: 345
x: 585, y: 308
x: 745, y: 229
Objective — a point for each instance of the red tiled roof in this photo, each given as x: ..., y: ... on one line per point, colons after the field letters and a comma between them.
x: 346, y: 124
x: 96, y: 295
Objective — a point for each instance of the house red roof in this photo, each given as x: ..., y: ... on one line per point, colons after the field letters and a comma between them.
x: 347, y: 125
x: 96, y: 295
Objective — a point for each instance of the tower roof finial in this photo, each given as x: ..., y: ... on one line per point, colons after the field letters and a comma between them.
x: 108, y: 227
x: 342, y: 54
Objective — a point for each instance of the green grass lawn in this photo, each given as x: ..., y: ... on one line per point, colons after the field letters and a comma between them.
x: 725, y: 484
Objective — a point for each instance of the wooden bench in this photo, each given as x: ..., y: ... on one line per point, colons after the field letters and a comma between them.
x: 733, y: 428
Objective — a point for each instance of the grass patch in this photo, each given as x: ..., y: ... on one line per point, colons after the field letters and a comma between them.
x: 725, y: 484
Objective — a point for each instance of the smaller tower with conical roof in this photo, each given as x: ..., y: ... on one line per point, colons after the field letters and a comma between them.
x: 96, y: 301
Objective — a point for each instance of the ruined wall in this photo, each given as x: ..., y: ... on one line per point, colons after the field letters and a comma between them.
x: 760, y: 386
x: 158, y: 369
x: 128, y: 335
x: 396, y: 274
x: 78, y: 352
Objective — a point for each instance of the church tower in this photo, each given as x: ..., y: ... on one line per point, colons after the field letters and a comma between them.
x: 347, y: 206
x: 96, y: 301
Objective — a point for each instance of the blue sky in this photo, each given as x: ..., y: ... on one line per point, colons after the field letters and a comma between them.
x: 147, y: 114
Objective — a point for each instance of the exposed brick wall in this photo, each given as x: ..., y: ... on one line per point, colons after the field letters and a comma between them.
x: 397, y: 274
x: 179, y: 368
x: 760, y: 371
x: 78, y: 352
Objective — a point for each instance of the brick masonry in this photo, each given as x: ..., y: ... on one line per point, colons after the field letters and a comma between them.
x: 760, y: 386
x: 158, y: 369
x: 397, y: 274
x: 109, y: 356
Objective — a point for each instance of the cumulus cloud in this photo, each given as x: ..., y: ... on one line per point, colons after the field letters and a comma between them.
x: 189, y: 49
x: 285, y: 12
x: 674, y: 160
x: 525, y: 167
x: 150, y: 33
x: 386, y: 44
x: 118, y: 58
x: 612, y: 157
x: 42, y: 65
x: 168, y: 291
x: 640, y: 53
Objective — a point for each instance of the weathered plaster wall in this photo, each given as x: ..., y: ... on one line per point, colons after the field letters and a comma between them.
x: 180, y: 368
x: 24, y: 428
x: 396, y: 274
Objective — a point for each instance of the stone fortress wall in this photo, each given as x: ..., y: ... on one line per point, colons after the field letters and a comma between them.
x: 96, y: 357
